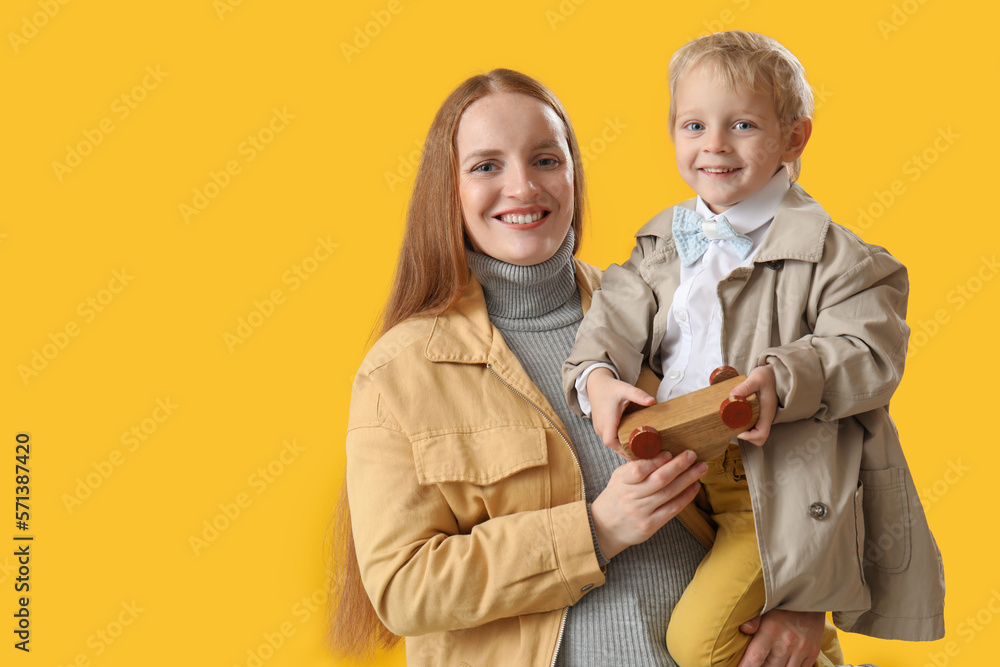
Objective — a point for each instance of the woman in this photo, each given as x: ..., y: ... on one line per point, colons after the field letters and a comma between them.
x: 481, y: 532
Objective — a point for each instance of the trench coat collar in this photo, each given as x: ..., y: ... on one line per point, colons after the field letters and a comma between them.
x: 797, y: 231
x: 465, y: 335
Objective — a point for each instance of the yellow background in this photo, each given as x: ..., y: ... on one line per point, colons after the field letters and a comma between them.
x: 894, y: 80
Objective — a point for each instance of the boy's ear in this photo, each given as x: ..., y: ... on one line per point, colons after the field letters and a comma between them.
x: 798, y: 137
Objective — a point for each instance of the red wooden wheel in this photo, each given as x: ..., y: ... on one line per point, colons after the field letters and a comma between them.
x: 736, y: 412
x: 721, y: 374
x: 645, y: 442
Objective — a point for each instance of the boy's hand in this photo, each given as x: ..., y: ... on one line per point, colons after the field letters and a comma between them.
x: 641, y: 497
x: 609, y: 397
x: 759, y: 381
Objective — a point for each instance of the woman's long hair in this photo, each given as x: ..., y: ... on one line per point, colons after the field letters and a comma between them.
x: 431, y: 275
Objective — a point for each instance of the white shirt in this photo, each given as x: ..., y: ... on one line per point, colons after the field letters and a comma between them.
x: 692, y: 345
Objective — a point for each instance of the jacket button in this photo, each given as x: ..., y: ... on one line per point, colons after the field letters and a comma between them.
x: 775, y: 264
x: 586, y: 588
x: 818, y: 511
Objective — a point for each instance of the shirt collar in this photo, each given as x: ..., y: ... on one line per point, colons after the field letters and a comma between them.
x: 749, y: 214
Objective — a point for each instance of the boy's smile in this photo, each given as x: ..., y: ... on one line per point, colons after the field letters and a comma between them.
x: 729, y: 143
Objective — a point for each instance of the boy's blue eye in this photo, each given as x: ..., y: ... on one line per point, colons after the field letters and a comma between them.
x: 744, y: 125
x: 694, y: 126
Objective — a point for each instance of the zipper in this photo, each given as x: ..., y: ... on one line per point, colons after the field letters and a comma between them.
x: 562, y: 629
x: 583, y: 484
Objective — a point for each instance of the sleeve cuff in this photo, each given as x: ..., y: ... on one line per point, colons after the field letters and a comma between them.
x: 799, y: 380
x: 581, y: 387
x: 601, y: 560
x: 575, y: 549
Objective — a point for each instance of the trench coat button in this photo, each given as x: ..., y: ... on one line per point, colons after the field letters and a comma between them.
x: 818, y: 511
x: 775, y: 264
x: 586, y: 588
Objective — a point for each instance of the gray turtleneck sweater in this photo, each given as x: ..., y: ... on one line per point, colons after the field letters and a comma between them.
x: 538, y: 310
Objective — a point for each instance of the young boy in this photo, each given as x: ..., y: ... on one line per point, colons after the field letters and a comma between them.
x: 822, y: 514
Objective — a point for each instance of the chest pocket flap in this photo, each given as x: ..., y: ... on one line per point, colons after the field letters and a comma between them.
x: 479, y: 457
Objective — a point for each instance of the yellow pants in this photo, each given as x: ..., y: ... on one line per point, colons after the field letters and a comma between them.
x: 728, y: 587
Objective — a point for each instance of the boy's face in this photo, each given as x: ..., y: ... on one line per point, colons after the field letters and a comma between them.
x: 728, y: 142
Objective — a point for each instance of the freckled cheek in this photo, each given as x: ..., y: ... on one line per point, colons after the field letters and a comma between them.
x: 568, y: 190
x: 561, y: 189
x: 475, y: 200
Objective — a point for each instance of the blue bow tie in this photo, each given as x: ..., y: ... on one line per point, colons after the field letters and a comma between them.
x: 693, y: 234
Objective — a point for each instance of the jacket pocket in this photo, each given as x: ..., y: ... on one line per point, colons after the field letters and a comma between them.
x: 887, y: 519
x: 480, y: 457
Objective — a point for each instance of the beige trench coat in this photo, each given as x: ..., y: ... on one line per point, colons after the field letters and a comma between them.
x: 839, y: 525
x: 467, y: 502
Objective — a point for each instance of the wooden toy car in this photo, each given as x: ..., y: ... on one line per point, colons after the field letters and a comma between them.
x: 703, y: 421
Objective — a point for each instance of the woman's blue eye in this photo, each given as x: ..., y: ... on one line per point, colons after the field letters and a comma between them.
x: 548, y: 162
x: 484, y: 168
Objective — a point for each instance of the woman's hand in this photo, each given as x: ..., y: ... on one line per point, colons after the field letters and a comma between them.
x: 760, y: 381
x: 641, y: 497
x: 609, y: 397
x: 784, y: 639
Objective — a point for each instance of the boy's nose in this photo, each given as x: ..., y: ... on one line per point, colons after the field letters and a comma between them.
x: 716, y: 141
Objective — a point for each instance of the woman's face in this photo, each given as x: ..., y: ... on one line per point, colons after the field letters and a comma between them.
x: 515, y: 178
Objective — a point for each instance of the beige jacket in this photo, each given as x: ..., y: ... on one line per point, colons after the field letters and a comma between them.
x: 839, y: 525
x: 466, y: 498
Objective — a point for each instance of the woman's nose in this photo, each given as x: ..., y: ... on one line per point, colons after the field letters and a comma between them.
x: 519, y: 184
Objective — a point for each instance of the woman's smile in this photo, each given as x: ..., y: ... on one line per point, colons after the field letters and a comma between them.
x: 515, y: 178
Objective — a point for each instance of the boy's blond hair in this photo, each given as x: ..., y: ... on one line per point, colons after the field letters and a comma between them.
x: 753, y: 61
